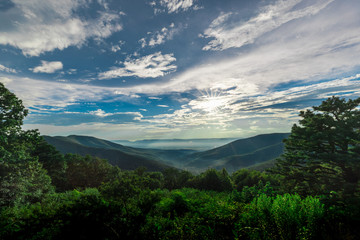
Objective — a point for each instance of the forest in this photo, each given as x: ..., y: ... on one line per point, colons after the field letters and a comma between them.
x: 313, y: 191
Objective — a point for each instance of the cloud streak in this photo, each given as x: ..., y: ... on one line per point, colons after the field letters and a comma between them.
x: 6, y: 69
x: 78, y: 118
x: 174, y: 6
x: 150, y: 66
x: 229, y: 32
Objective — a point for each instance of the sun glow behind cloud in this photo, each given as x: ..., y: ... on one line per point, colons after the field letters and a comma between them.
x: 211, y: 101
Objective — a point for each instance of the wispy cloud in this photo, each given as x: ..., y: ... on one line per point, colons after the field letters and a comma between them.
x: 48, y: 67
x: 174, y: 6
x: 5, y: 80
x: 6, y: 69
x: 228, y: 31
x: 177, y: 5
x: 78, y: 118
x: 36, y: 26
x: 101, y: 113
x: 35, y: 93
x: 150, y: 66
x: 117, y: 47
x: 160, y: 37
x: 104, y: 3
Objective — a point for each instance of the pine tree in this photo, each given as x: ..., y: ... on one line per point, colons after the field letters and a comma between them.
x: 322, y: 153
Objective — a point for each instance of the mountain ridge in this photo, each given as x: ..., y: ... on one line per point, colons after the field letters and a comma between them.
x: 241, y: 153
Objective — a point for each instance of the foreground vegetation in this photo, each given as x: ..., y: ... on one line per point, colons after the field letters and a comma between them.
x: 312, y: 193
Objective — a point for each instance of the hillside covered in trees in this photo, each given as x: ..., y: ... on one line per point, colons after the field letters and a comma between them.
x: 313, y: 192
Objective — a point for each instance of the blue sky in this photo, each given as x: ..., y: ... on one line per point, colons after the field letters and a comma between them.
x: 145, y: 69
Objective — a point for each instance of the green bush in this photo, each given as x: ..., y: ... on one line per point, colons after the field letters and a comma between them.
x: 192, y: 214
x: 282, y: 217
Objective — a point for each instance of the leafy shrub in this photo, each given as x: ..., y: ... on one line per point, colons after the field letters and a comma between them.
x: 192, y: 214
x: 282, y: 217
x: 249, y: 193
x: 248, y: 178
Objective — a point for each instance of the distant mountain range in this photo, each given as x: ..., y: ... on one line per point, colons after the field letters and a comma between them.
x: 257, y: 152
x: 201, y: 144
x: 241, y: 153
x: 118, y: 155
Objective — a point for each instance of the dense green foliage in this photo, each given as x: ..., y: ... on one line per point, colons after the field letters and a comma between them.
x: 22, y: 178
x: 314, y: 192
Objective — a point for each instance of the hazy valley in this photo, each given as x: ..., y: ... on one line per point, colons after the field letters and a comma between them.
x: 254, y: 152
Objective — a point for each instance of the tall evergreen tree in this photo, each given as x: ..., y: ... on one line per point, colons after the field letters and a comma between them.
x: 322, y: 153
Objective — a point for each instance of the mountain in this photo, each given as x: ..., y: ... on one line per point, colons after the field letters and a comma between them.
x: 116, y: 154
x: 255, y: 152
x: 239, y: 154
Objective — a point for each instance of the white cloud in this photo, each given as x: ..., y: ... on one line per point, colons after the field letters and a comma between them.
x: 163, y: 106
x: 48, y: 67
x: 174, y: 6
x: 100, y: 113
x: 115, y: 48
x: 234, y: 33
x: 71, y: 71
x: 165, y: 34
x: 150, y: 66
x: 160, y: 37
x: 37, y: 26
x: 104, y: 3
x: 6, y: 69
x: 177, y: 5
x: 5, y: 80
x: 35, y: 93
x: 142, y: 42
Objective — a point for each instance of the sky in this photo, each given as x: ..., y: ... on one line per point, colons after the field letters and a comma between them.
x: 163, y: 69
